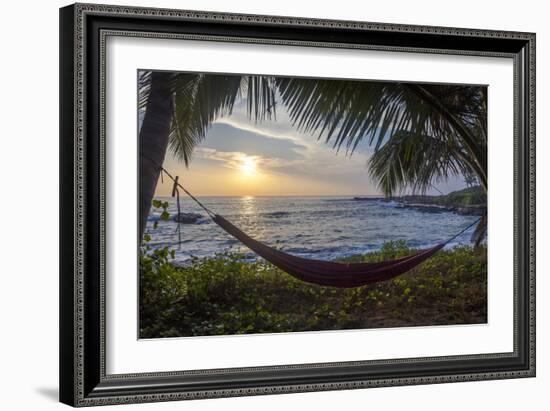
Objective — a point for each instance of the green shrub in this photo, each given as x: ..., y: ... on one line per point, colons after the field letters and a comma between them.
x: 227, y: 294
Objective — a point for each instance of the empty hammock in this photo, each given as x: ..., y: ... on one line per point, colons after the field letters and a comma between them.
x: 325, y: 273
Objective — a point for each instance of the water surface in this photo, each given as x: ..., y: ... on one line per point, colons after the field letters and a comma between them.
x: 313, y: 227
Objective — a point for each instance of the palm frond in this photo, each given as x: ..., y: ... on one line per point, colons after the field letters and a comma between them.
x: 345, y: 113
x: 199, y: 99
x: 465, y: 130
x: 187, y: 127
x: 261, y: 103
x: 144, y: 86
x: 409, y: 160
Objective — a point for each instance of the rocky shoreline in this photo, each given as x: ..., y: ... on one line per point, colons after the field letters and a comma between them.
x: 476, y: 209
x: 455, y: 202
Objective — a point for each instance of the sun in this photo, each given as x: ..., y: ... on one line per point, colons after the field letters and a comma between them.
x: 248, y: 166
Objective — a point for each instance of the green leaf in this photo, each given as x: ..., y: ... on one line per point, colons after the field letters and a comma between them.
x: 146, y: 237
x: 164, y: 216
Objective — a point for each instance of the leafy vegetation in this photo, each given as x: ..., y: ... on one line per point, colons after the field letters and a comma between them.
x: 466, y: 197
x: 228, y: 294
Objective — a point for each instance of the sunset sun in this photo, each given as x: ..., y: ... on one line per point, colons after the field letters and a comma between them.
x: 248, y: 166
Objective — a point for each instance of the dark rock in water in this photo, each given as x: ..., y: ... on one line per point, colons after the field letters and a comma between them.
x: 187, y: 218
x: 478, y: 210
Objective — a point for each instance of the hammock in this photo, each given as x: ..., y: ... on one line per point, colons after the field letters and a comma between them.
x: 329, y: 273
x: 325, y: 273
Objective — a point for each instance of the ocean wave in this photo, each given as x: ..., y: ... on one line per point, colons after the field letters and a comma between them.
x: 304, y: 250
x: 320, y: 228
x: 391, y: 204
x: 335, y: 200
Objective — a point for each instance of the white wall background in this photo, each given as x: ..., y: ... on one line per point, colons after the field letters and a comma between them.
x: 29, y: 204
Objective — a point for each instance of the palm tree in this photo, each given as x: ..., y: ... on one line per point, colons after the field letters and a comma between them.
x: 178, y: 110
x: 421, y: 134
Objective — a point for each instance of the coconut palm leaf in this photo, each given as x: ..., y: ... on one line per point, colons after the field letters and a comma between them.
x: 144, y: 87
x: 344, y: 113
x: 260, y: 99
x: 408, y: 160
x: 200, y: 99
x: 463, y: 121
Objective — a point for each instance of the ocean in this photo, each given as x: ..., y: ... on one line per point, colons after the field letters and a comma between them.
x: 323, y: 228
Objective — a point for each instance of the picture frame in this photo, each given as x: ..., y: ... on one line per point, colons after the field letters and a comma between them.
x: 84, y: 30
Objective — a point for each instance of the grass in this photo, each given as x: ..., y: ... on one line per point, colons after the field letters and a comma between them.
x: 226, y: 294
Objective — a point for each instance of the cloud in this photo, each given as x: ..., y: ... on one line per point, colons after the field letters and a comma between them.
x: 224, y: 136
x: 234, y: 159
x: 282, y: 127
x: 278, y: 149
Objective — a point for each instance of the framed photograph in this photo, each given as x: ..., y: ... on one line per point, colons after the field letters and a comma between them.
x: 259, y: 205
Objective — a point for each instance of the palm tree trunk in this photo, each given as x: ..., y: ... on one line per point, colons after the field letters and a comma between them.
x: 153, y: 142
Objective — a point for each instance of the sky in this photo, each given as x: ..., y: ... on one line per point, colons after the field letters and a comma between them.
x: 241, y: 157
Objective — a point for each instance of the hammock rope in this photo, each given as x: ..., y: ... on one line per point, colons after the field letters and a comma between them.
x: 320, y: 272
